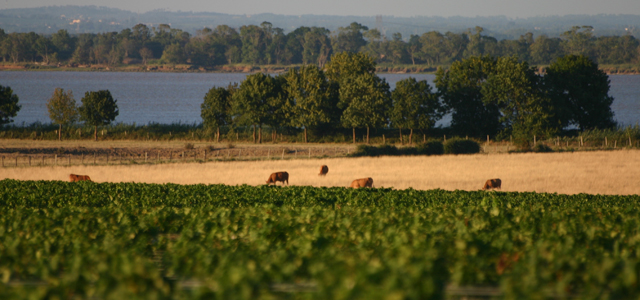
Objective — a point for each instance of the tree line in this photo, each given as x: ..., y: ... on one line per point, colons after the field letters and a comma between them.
x: 485, y: 95
x: 265, y: 44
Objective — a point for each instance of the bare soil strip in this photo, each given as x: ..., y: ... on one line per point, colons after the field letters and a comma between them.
x: 596, y: 172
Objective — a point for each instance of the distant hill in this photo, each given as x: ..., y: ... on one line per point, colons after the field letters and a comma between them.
x: 93, y: 19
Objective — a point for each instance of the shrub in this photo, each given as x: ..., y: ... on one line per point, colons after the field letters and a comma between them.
x: 189, y: 146
x: 366, y: 150
x: 460, y: 146
x: 541, y: 148
x: 431, y: 147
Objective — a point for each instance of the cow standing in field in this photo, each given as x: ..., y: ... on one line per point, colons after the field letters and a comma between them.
x: 323, y: 170
x: 74, y: 178
x: 362, y: 182
x: 278, y: 176
x: 492, y: 184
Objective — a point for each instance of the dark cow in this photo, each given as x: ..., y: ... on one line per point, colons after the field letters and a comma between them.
x: 323, y: 170
x: 74, y: 178
x: 362, y: 182
x: 278, y: 176
x: 492, y: 184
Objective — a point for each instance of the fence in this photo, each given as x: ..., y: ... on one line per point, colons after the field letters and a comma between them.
x: 172, y: 156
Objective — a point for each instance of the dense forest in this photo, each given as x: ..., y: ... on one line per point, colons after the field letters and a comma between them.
x: 269, y: 45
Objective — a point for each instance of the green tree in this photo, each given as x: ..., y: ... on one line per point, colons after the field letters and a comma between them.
x: 8, y: 105
x: 98, y: 109
x: 309, y: 91
x: 366, y: 101
x: 216, y: 108
x: 517, y: 90
x: 346, y: 64
x: 461, y: 91
x: 349, y: 39
x: 580, y: 91
x: 62, y: 109
x: 174, y: 54
x: 415, y: 106
x: 254, y: 101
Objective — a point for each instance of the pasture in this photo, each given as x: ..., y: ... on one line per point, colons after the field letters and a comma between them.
x: 592, y: 172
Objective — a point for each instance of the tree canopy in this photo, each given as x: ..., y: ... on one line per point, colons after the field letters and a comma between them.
x: 62, y: 109
x: 8, y: 105
x: 98, y: 109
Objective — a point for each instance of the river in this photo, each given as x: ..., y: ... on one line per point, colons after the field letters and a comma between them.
x: 176, y: 97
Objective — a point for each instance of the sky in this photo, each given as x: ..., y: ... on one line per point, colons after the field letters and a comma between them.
x: 398, y: 8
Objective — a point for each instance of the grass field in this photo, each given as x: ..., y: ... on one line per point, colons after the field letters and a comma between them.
x: 594, y: 172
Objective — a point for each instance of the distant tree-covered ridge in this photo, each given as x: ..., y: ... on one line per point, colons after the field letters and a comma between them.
x: 269, y: 45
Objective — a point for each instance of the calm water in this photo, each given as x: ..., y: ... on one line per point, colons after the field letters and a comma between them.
x: 176, y: 97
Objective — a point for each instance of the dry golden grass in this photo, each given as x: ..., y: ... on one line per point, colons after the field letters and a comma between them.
x: 597, y: 172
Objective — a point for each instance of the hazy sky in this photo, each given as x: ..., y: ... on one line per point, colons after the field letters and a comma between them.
x: 400, y: 8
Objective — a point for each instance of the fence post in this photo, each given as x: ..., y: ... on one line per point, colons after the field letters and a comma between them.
x: 445, y: 138
x: 309, y: 152
x: 606, y: 143
x: 68, y: 160
x: 3, y: 161
x: 424, y: 138
x: 16, y: 161
x: 487, y: 138
x: 145, y: 157
x: 55, y: 159
x: 42, y: 161
x: 282, y: 154
x: 83, y: 158
x: 94, y: 158
x: 629, y: 140
x: 183, y: 157
x: 268, y: 154
x: 204, y: 155
x: 29, y: 161
x: 534, y: 140
x: 384, y: 141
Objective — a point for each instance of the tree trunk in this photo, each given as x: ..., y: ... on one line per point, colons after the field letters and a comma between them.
x: 367, y: 134
x: 95, y: 133
x: 401, y: 141
x: 275, y: 135
x: 254, y: 133
x: 218, y: 135
x: 59, y: 132
x: 411, y: 137
x: 354, y: 135
x: 305, y: 135
x: 260, y: 134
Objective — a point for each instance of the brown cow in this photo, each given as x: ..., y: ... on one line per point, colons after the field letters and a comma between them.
x: 323, y: 170
x: 492, y: 184
x: 74, y: 178
x: 278, y: 176
x: 362, y: 182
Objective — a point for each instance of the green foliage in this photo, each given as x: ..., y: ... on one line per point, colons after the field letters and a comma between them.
x: 581, y: 93
x: 8, y: 105
x: 310, y: 94
x: 98, y: 108
x: 414, y: 105
x: 541, y: 148
x: 461, y: 146
x: 150, y: 241
x: 216, y: 108
x: 62, y: 107
x: 431, y: 147
x: 461, y: 90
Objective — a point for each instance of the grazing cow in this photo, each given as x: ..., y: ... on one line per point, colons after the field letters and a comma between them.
x: 362, y: 182
x: 492, y: 184
x: 74, y: 178
x: 278, y: 176
x: 323, y: 170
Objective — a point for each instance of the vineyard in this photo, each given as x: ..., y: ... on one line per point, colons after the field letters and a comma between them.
x: 61, y: 240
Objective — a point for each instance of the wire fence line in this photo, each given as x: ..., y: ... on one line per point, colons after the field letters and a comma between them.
x: 171, y: 156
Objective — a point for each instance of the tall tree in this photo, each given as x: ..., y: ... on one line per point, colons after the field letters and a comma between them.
x: 415, y: 106
x: 309, y: 91
x: 8, y: 105
x: 350, y: 38
x: 366, y: 101
x: 254, y: 100
x: 62, y: 109
x: 581, y: 92
x: 98, y: 109
x: 216, y: 108
x: 461, y: 90
x: 525, y: 109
